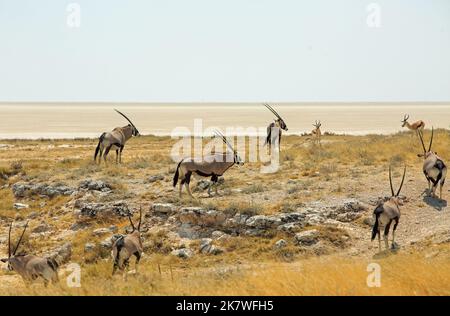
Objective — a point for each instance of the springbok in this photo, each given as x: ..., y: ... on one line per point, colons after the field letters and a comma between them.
x: 316, y: 132
x: 276, y: 126
x: 416, y: 126
x: 127, y: 246
x: 214, y: 166
x: 115, y: 139
x: 387, y: 212
x: 30, y: 267
x: 434, y: 167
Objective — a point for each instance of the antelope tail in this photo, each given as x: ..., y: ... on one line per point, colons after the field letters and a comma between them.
x: 269, y: 136
x: 53, y: 264
x: 177, y: 174
x: 102, y: 137
x: 377, y: 212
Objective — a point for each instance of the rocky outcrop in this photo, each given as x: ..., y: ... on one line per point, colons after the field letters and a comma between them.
x: 94, y: 185
x: 197, y: 216
x: 104, y: 209
x: 184, y: 253
x: 23, y: 189
x: 163, y: 208
x: 307, y: 238
x: 207, y: 247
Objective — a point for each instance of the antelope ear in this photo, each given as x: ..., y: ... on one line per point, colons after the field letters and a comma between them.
x: 420, y: 155
x: 4, y: 260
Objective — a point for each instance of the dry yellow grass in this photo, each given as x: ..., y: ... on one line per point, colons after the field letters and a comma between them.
x: 402, y: 274
x: 251, y: 266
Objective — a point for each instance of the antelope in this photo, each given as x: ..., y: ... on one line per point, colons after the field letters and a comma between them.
x: 115, y: 139
x: 214, y: 166
x: 275, y: 127
x: 127, y: 246
x: 316, y: 132
x: 30, y: 267
x: 434, y: 167
x: 416, y: 126
x: 387, y: 212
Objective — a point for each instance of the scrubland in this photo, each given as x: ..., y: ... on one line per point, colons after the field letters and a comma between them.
x: 343, y: 167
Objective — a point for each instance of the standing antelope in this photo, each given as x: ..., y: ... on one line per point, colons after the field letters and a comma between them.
x: 416, y: 126
x: 214, y: 166
x: 387, y: 212
x: 115, y: 139
x: 276, y: 126
x: 316, y: 132
x: 127, y: 246
x: 30, y: 267
x: 434, y: 167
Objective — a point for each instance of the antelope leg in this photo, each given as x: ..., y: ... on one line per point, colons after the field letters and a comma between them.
x: 379, y: 240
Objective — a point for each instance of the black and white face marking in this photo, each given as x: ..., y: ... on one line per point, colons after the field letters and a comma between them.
x: 283, y: 126
x: 238, y: 160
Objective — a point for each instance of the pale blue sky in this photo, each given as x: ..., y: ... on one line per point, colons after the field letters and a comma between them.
x: 224, y: 50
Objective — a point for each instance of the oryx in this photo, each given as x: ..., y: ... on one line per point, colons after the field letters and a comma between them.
x: 416, y: 126
x: 214, y: 166
x: 434, y: 167
x: 127, y: 246
x: 387, y: 212
x: 274, y: 130
x: 316, y: 132
x: 30, y: 267
x: 115, y: 140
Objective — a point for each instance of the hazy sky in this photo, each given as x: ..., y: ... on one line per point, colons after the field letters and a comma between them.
x: 225, y: 50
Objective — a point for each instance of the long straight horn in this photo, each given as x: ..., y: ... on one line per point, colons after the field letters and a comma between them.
x: 125, y: 117
x: 272, y: 110
x: 401, y: 184
x: 140, y: 218
x: 390, y: 181
x: 20, y: 240
x: 131, y: 222
x: 224, y: 139
x: 9, y: 240
x: 421, y: 141
x: 431, y: 140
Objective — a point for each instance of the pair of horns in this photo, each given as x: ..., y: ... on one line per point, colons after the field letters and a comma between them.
x: 272, y: 110
x: 13, y: 253
x: 224, y: 139
x: 401, y: 184
x: 423, y: 143
x: 317, y: 124
x: 126, y: 118
x: 140, y: 220
x: 405, y: 118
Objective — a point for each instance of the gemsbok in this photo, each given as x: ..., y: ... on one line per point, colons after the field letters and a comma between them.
x: 316, y: 132
x: 127, y: 246
x: 115, y: 140
x: 30, y: 267
x: 434, y: 167
x: 387, y: 212
x: 416, y: 126
x: 276, y: 127
x: 214, y: 166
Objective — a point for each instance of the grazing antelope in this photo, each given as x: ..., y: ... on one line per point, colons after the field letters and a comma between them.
x: 115, y: 139
x: 30, y: 267
x: 434, y: 167
x: 316, y: 132
x: 127, y: 246
x: 214, y: 166
x: 387, y: 212
x: 275, y: 127
x: 416, y: 126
